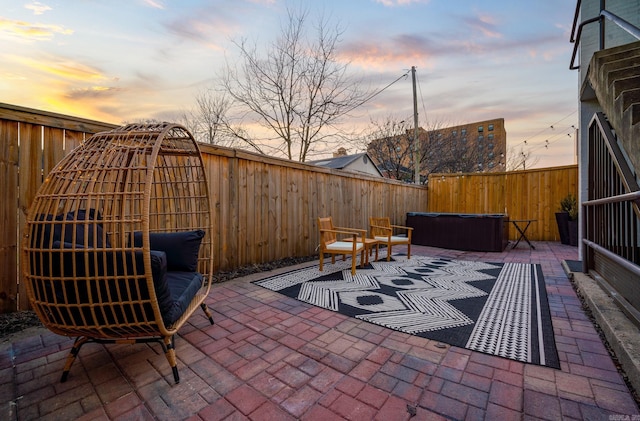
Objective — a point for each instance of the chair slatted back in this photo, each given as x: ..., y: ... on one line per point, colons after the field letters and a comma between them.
x: 326, y: 224
x: 376, y: 222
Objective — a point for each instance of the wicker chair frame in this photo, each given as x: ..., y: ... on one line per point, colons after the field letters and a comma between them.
x: 98, y: 284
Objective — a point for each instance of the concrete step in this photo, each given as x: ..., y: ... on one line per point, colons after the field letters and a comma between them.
x: 635, y: 116
x: 618, y: 53
x: 607, y: 67
x: 612, y: 70
x: 614, y: 75
x: 628, y: 98
x: 623, y: 79
x: 621, y: 74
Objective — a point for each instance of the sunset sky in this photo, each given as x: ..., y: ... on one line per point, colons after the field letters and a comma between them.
x: 123, y: 60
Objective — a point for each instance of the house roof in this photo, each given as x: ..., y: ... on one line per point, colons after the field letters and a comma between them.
x: 338, y: 162
x: 342, y: 162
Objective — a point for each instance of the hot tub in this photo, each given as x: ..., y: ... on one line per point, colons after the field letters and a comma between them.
x: 460, y: 231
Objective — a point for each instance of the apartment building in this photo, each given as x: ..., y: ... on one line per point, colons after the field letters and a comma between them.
x: 482, y: 144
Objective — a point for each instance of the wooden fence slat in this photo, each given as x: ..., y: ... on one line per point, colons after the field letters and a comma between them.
x: 53, y: 148
x: 30, y: 157
x: 9, y: 240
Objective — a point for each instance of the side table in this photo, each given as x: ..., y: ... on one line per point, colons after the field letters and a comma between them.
x: 522, y: 230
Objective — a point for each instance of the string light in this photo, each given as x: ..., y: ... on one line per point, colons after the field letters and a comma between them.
x: 559, y: 135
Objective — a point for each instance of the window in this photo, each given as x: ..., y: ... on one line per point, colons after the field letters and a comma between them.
x: 463, y: 132
x: 480, y: 129
x: 480, y: 138
x: 454, y: 133
x: 490, y: 136
x: 491, y: 164
x: 490, y: 127
x: 490, y: 145
x: 491, y: 155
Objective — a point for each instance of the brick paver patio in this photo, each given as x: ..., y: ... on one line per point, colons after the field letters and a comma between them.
x: 269, y: 357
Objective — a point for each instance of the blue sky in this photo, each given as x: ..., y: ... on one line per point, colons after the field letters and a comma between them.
x: 122, y: 60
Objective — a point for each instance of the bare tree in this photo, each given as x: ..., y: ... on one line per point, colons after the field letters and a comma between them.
x: 445, y: 151
x: 520, y: 160
x: 207, y: 121
x: 391, y: 145
x: 386, y: 144
x: 442, y: 151
x: 298, y: 90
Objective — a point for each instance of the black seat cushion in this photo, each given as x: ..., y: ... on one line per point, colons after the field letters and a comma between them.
x: 79, y: 277
x: 183, y: 286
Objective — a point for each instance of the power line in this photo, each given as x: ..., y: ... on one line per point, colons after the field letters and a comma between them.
x: 421, y: 97
x: 376, y: 93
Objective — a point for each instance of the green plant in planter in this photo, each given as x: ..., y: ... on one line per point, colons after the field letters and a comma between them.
x: 570, y: 205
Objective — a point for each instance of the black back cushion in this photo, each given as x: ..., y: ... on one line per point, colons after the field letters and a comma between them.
x: 182, y: 248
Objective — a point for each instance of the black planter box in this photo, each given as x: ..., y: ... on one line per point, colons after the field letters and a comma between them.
x: 460, y: 231
x: 572, y: 227
x: 562, y: 219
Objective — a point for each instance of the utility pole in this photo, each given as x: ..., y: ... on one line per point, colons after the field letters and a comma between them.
x: 416, y: 143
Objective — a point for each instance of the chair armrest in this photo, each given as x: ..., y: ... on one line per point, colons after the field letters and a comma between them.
x: 362, y: 232
x: 402, y: 227
x: 353, y: 234
x: 408, y: 229
x: 387, y: 231
x: 381, y: 227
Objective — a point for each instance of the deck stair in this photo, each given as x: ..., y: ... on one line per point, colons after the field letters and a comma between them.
x: 614, y: 76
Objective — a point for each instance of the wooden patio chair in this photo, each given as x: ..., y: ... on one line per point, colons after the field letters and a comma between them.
x: 383, y: 231
x: 332, y: 241
x: 117, y: 245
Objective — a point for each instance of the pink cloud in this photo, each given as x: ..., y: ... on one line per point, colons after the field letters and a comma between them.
x: 400, y: 50
x: 394, y: 3
x: 486, y: 24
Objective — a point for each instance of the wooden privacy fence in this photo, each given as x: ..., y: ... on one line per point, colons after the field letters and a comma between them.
x: 264, y: 209
x: 531, y: 194
x: 31, y: 143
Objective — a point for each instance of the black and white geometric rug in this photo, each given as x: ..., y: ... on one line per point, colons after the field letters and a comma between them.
x: 494, y: 308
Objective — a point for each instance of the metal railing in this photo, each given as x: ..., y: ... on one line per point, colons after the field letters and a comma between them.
x: 604, y: 14
x: 611, y: 219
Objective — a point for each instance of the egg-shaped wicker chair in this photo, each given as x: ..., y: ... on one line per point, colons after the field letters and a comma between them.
x: 117, y: 242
